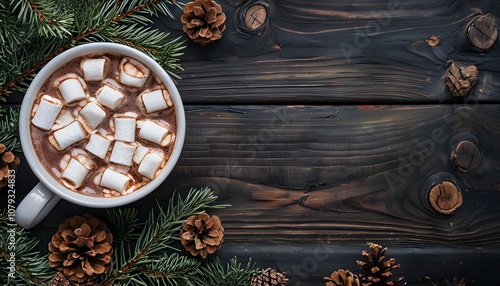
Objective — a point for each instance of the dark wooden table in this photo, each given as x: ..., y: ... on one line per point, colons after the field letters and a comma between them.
x: 326, y: 127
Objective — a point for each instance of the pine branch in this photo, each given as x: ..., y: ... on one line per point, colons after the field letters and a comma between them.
x: 123, y: 224
x: 31, y: 268
x: 84, y: 21
x: 214, y: 273
x: 158, y: 234
x: 172, y: 269
x: 9, y: 128
x: 44, y: 18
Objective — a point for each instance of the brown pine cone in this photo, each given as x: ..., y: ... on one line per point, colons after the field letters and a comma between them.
x: 379, y: 270
x: 461, y: 80
x: 203, y: 21
x: 202, y: 234
x: 270, y: 277
x: 81, y: 248
x: 342, y: 278
x: 8, y: 162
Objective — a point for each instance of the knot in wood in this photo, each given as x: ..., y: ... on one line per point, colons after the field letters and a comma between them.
x: 432, y: 41
x: 482, y: 32
x: 466, y: 155
x: 255, y: 16
x: 445, y: 197
x: 461, y: 80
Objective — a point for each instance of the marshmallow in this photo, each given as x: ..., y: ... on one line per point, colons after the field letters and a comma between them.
x: 94, y: 69
x: 122, y: 153
x: 47, y: 112
x: 110, y: 96
x: 93, y: 114
x: 98, y: 145
x: 133, y: 73
x: 65, y: 118
x: 75, y: 172
x: 139, y: 154
x: 155, y: 133
x: 72, y: 88
x: 156, y: 100
x: 149, y: 165
x: 125, y: 128
x: 114, y: 180
x: 69, y: 135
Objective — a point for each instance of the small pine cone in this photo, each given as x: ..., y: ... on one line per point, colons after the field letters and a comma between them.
x: 203, y: 21
x: 202, y: 234
x: 379, y: 270
x: 8, y: 162
x: 81, y: 248
x: 342, y: 278
x: 270, y: 277
x: 461, y: 80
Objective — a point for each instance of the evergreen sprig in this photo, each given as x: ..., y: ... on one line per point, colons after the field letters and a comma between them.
x: 234, y: 274
x: 31, y: 268
x: 35, y: 31
x: 159, y: 232
x: 9, y: 128
x: 152, y: 261
x: 123, y: 223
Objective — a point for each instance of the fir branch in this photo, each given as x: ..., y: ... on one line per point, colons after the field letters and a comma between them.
x: 123, y: 223
x: 31, y: 268
x: 159, y: 232
x: 89, y: 19
x: 9, y: 128
x: 45, y: 18
x: 214, y: 273
x: 11, y: 34
x: 169, y: 269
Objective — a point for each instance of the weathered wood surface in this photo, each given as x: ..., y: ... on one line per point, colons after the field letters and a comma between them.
x: 320, y: 149
x: 340, y: 51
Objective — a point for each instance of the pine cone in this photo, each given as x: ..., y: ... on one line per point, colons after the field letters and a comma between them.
x: 81, y: 248
x: 202, y: 234
x: 203, y: 21
x: 8, y: 161
x: 269, y: 277
x: 378, y: 269
x: 461, y: 80
x: 342, y: 278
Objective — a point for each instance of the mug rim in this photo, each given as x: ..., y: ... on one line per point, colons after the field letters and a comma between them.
x: 25, y: 121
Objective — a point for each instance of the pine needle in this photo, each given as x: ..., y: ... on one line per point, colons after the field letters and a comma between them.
x: 159, y: 232
x: 9, y: 128
x: 31, y: 268
x: 35, y: 31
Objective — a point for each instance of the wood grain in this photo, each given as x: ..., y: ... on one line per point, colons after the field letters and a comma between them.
x: 341, y: 173
x: 329, y: 52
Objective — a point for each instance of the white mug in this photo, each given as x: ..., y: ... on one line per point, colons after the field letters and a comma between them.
x: 45, y: 195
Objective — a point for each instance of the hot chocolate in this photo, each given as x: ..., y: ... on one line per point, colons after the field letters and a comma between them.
x: 103, y: 125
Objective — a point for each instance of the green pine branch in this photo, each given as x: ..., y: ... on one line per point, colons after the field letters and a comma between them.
x: 213, y: 272
x: 18, y: 250
x: 158, y: 234
x: 9, y: 128
x: 144, y: 257
x: 48, y: 28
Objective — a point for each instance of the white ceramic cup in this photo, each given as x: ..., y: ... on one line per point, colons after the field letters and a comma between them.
x: 45, y: 195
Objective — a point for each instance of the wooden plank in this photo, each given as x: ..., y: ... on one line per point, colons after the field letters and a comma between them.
x: 303, y: 178
x: 339, y: 173
x: 343, y: 172
x: 340, y: 51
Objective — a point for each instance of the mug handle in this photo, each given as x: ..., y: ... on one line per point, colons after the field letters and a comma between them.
x: 35, y: 206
